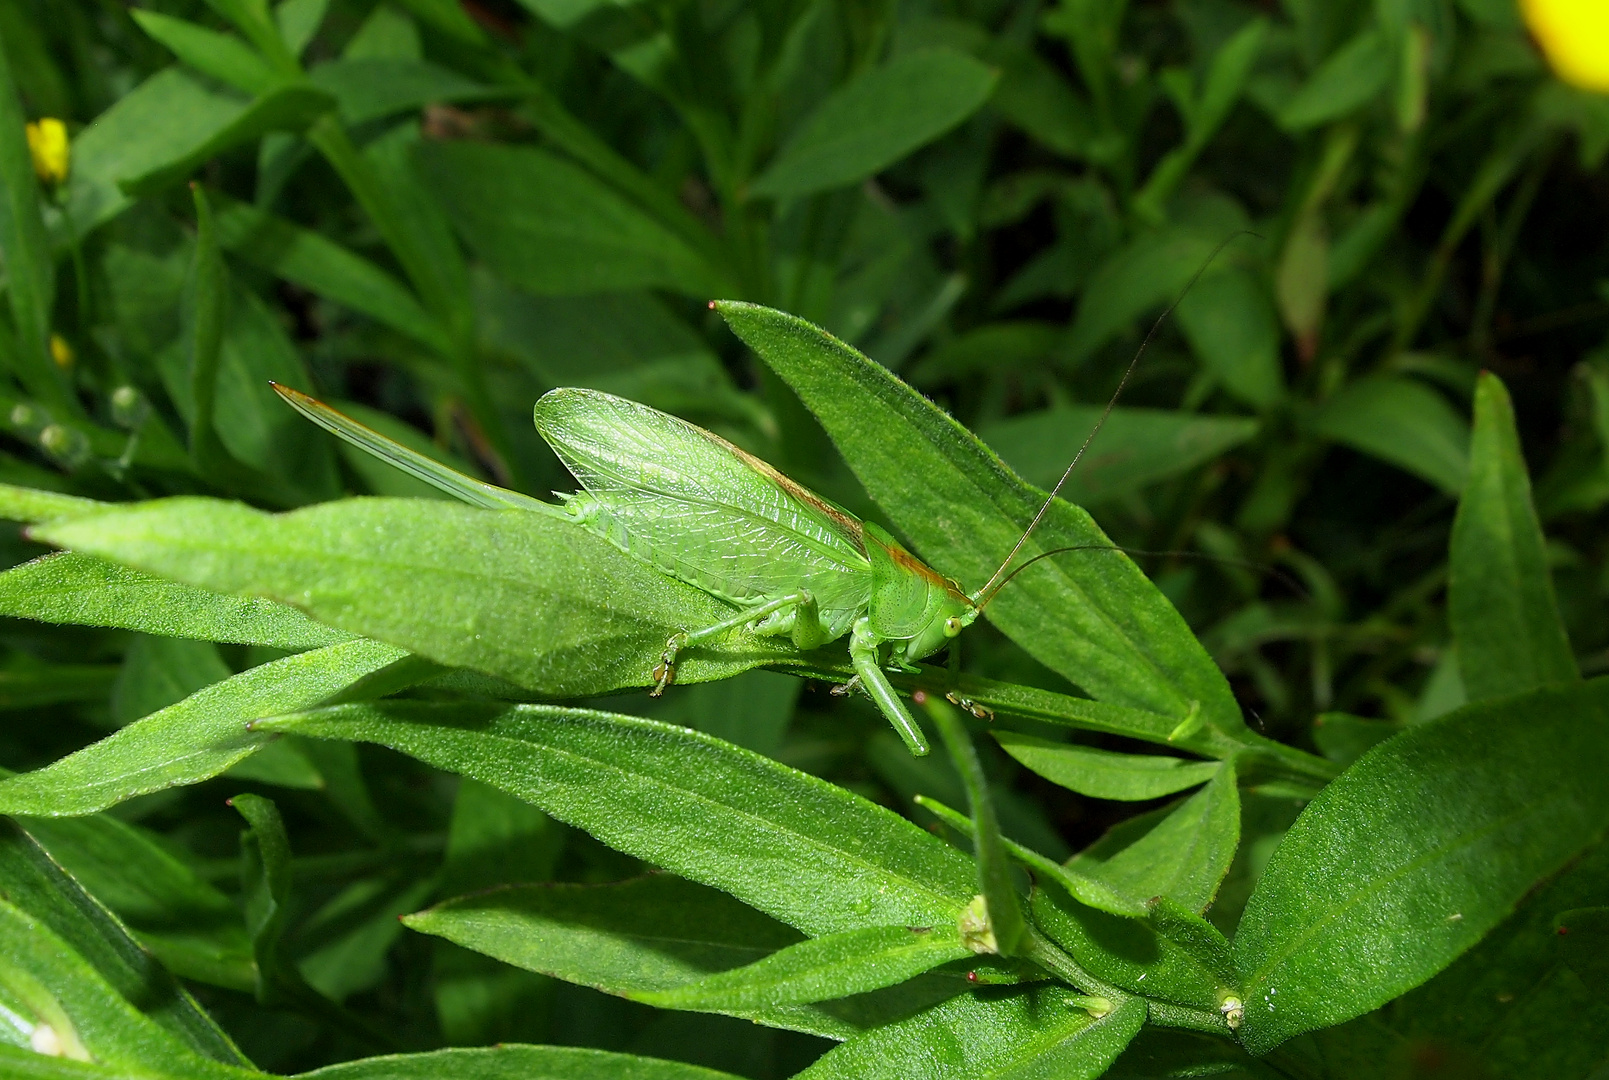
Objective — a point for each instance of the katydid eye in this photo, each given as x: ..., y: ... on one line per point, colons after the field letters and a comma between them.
x: 952, y: 626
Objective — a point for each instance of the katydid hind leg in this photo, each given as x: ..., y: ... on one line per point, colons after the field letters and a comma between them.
x: 863, y: 657
x: 664, y: 672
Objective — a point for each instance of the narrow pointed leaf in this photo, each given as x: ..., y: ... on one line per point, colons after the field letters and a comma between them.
x: 71, y: 588
x: 286, y: 108
x: 37, y: 885
x: 1500, y: 599
x: 1415, y: 852
x: 653, y: 933
x: 57, y: 987
x: 31, y: 504
x: 1005, y: 927
x: 833, y: 966
x: 526, y: 596
x: 1038, y: 1033
x: 1104, y: 774
x: 804, y: 851
x: 196, y: 739
x: 876, y: 119
x: 550, y: 227
x: 1094, y: 617
x: 1181, y: 851
x: 515, y: 1062
x: 1127, y: 952
x: 190, y: 926
x: 309, y: 259
x: 1089, y: 891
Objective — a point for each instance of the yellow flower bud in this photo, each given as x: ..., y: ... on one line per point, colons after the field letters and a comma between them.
x: 1574, y: 35
x: 61, y: 352
x: 47, y: 143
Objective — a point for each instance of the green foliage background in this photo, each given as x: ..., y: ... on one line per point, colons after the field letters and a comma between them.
x: 304, y: 780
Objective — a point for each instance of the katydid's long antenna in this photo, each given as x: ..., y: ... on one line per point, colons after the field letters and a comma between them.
x: 991, y: 588
x: 1274, y: 572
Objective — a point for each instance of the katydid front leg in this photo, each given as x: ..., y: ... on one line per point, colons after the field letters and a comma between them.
x: 863, y: 657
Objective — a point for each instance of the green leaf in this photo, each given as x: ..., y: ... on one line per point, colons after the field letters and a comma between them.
x: 31, y: 504
x: 454, y: 584
x: 496, y: 839
x: 802, y: 850
x: 834, y: 966
x: 515, y: 1063
x: 629, y: 344
x: 30, y: 270
x: 1021, y: 817
x: 1500, y: 599
x: 1401, y: 421
x: 1583, y: 935
x: 1002, y: 926
x: 752, y: 710
x: 1142, y: 276
x: 1088, y: 891
x: 219, y: 56
x: 1159, y: 1053
x: 1104, y: 774
x: 649, y: 934
x: 1036, y: 1033
x: 265, y: 879
x: 359, y: 959
x: 1126, y: 952
x: 1181, y: 851
x: 1096, y: 620
x: 1226, y: 75
x: 196, y: 739
x: 46, y: 983
x: 72, y: 588
x: 1343, y: 738
x: 308, y: 259
x: 370, y: 88
x: 299, y: 21
x: 1036, y: 97
x: 1231, y: 325
x: 1414, y: 853
x: 871, y: 122
x: 1524, y: 1003
x: 36, y: 884
x: 284, y: 108
x: 27, y: 683
x: 159, y: 671
x: 548, y: 226
x: 1136, y: 447
x: 1351, y: 77
x: 191, y: 927
x: 21, y: 1063
x: 204, y: 304
x: 162, y: 120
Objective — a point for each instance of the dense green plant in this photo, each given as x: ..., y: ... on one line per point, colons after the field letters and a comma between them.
x: 1320, y: 798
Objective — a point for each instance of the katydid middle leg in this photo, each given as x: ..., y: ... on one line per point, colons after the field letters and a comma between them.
x: 863, y: 657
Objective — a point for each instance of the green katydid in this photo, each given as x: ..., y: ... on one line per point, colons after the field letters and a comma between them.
x: 708, y: 513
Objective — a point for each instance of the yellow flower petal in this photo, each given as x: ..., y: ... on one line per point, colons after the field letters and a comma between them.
x: 1574, y: 35
x: 47, y: 143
